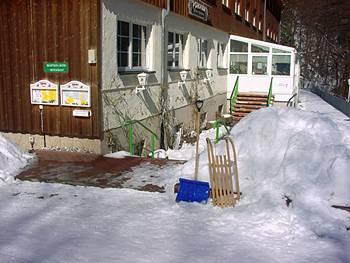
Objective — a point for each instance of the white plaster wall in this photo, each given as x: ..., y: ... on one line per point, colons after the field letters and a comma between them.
x: 129, y: 11
x: 120, y: 100
x: 118, y: 91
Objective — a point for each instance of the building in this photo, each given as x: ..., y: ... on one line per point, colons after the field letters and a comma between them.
x: 93, y: 73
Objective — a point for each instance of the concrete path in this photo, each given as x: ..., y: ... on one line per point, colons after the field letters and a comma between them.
x: 89, y: 170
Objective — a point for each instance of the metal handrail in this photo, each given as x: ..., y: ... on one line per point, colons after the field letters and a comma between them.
x: 130, y: 124
x: 234, y: 94
x: 290, y: 99
x: 270, y: 94
x: 216, y: 125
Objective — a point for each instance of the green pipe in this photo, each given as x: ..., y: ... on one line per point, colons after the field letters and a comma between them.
x: 234, y: 95
x: 131, y: 147
x: 153, y: 143
x: 270, y: 94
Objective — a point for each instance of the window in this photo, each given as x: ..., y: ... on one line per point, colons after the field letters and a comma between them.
x: 238, y: 7
x: 259, y: 65
x: 260, y: 49
x: 238, y: 46
x: 175, y: 50
x: 238, y: 64
x: 238, y: 57
x: 281, y: 65
x: 247, y: 11
x: 220, y: 55
x: 259, y: 59
x: 131, y: 41
x: 260, y: 23
x: 254, y: 18
x: 203, y: 53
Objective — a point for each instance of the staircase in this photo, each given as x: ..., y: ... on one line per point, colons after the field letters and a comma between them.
x: 248, y: 102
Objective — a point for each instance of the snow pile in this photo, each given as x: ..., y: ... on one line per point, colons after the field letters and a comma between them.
x: 290, y: 156
x: 300, y: 154
x: 11, y: 160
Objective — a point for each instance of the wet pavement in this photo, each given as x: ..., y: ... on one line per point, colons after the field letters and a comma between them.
x: 89, y: 170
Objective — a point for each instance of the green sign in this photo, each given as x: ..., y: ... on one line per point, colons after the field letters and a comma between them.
x: 56, y: 67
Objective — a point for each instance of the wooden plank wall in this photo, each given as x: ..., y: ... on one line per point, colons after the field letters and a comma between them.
x: 225, y: 19
x: 38, y: 31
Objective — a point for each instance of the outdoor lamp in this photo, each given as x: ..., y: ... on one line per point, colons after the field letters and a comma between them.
x: 199, y: 104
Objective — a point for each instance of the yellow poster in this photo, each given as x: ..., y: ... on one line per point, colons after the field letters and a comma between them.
x: 44, y: 92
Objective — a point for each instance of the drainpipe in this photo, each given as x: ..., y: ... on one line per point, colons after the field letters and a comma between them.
x: 164, y: 72
x: 264, y: 31
x: 164, y: 47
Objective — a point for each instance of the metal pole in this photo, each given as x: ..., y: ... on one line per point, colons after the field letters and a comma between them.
x: 41, y: 108
x: 197, y: 144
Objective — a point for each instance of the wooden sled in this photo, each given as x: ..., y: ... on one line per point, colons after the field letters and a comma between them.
x: 223, y: 175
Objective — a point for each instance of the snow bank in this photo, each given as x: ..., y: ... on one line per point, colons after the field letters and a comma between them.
x: 288, y: 154
x: 12, y: 159
x: 297, y: 153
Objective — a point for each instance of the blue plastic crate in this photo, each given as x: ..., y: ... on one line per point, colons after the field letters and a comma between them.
x: 193, y: 191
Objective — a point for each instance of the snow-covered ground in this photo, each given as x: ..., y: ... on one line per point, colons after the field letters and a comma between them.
x: 300, y: 154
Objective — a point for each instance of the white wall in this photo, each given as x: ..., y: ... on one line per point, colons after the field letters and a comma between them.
x: 120, y: 89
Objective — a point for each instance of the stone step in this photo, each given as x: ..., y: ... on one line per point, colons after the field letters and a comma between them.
x: 247, y: 106
x: 251, y: 102
x: 253, y: 94
x: 251, y: 98
x: 240, y: 114
x: 241, y: 109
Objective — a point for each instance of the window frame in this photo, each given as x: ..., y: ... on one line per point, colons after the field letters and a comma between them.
x: 247, y: 12
x: 240, y: 53
x: 238, y: 7
x: 290, y: 63
x: 130, y: 52
x: 181, y: 50
x: 220, y: 58
x: 241, y: 56
x: 200, y: 63
x: 225, y: 3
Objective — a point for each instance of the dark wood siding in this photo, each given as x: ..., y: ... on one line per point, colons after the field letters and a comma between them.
x: 38, y: 31
x: 225, y: 19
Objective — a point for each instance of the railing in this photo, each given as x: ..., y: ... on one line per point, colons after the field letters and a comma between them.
x: 269, y: 97
x: 130, y: 124
x: 290, y: 100
x: 234, y: 94
x: 217, y: 124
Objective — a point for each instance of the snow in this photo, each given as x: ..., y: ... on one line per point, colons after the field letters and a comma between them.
x: 300, y: 154
x: 12, y: 160
x: 118, y: 155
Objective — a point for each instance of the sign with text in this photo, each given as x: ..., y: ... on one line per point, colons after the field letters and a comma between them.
x: 75, y: 94
x: 198, y: 9
x: 56, y: 67
x: 44, y: 92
